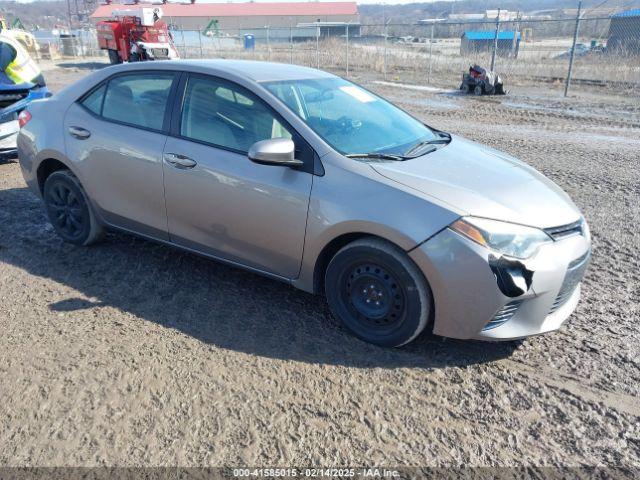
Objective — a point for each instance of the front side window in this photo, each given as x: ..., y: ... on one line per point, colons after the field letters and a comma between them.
x: 138, y: 99
x: 226, y: 115
x: 349, y: 118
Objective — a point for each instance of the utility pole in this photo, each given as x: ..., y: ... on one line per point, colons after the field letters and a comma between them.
x: 516, y: 30
x: 573, y: 50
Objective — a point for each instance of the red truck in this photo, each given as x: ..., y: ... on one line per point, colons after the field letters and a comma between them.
x: 137, y: 34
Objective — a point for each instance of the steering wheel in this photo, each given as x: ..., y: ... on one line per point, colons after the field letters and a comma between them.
x: 344, y: 125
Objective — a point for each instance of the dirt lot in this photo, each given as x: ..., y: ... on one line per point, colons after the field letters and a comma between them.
x: 131, y: 353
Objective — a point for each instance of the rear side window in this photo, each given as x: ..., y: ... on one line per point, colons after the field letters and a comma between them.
x: 94, y: 100
x: 137, y: 99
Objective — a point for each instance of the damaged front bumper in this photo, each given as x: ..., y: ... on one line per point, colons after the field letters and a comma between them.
x: 480, y: 296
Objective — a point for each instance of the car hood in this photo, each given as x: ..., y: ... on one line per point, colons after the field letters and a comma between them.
x: 484, y: 182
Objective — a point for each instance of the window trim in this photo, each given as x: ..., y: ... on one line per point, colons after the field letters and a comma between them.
x: 166, y: 122
x: 178, y: 106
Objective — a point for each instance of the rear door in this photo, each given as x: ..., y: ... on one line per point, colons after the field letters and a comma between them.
x: 116, y: 135
x: 220, y: 202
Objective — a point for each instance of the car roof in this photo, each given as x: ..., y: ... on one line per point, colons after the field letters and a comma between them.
x: 253, y: 70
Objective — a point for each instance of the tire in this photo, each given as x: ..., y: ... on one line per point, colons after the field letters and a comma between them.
x: 378, y: 293
x: 114, y: 58
x: 478, y: 90
x: 465, y: 88
x: 69, y: 210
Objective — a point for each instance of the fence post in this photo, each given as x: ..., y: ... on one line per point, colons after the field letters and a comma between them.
x: 573, y: 50
x: 268, y: 45
x: 384, y: 66
x: 200, y: 42
x: 495, y: 42
x: 430, y: 51
x: 290, y: 44
x: 347, y: 53
x: 317, y: 45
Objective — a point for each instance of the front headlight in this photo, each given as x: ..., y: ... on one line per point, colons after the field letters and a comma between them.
x: 506, y: 238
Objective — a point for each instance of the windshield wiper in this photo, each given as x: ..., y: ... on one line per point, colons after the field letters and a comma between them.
x: 444, y: 139
x: 378, y: 155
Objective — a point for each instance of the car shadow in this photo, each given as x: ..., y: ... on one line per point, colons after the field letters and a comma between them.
x: 211, y: 302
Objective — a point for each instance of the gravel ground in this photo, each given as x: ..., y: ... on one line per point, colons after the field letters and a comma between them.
x: 131, y: 353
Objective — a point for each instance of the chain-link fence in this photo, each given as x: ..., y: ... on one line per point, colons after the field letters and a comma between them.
x: 525, y: 52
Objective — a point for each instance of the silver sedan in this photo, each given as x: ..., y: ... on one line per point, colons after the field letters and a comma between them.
x: 305, y: 177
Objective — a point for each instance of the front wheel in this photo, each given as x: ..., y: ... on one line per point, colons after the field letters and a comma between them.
x: 378, y: 293
x: 478, y: 90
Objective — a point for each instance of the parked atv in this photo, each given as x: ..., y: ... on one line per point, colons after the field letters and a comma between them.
x: 13, y: 100
x: 482, y: 82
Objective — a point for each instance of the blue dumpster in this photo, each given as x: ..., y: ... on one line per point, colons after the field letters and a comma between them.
x: 249, y: 41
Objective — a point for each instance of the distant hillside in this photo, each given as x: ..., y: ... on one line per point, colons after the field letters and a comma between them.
x: 37, y: 14
x: 410, y: 13
x: 46, y: 14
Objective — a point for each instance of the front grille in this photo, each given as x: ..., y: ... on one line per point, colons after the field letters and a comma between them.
x: 503, y: 316
x: 160, y: 53
x: 558, y: 233
x: 572, y: 278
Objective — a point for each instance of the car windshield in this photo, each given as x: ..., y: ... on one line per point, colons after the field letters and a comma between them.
x: 352, y: 120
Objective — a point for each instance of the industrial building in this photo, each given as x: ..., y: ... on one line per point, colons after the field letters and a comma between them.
x: 482, y: 41
x: 624, y: 33
x: 228, y: 17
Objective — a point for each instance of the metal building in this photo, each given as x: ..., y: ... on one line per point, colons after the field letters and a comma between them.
x: 624, y: 33
x: 482, y: 41
x: 241, y: 16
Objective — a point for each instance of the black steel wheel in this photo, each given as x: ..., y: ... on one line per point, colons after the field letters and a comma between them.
x: 378, y: 292
x: 68, y: 209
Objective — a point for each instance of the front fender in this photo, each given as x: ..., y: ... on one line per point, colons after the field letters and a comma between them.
x: 359, y: 201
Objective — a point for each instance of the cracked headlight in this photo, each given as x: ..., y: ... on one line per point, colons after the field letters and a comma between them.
x: 506, y: 238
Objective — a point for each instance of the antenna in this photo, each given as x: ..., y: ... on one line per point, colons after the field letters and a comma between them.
x: 79, y: 12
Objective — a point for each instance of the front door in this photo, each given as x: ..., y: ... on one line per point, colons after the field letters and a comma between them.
x: 115, y: 136
x: 220, y: 202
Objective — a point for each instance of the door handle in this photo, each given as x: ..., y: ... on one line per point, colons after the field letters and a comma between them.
x: 79, y: 132
x: 179, y: 161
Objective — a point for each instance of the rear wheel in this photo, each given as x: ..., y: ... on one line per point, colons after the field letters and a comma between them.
x: 68, y: 209
x: 464, y: 87
x: 378, y: 293
x: 114, y: 58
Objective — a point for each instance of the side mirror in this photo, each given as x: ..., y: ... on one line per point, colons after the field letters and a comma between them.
x: 276, y: 151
